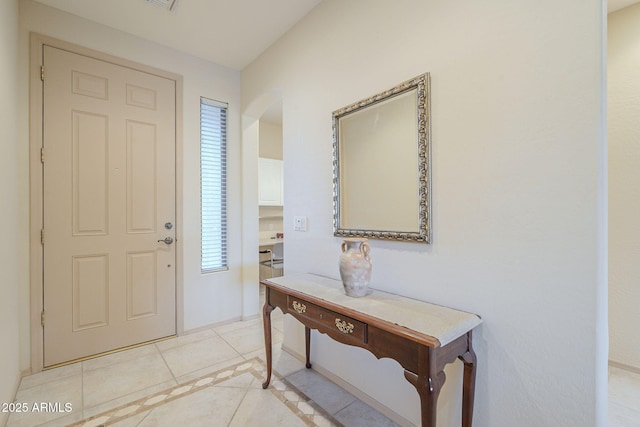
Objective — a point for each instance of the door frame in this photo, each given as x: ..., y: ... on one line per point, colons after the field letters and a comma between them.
x: 36, y: 249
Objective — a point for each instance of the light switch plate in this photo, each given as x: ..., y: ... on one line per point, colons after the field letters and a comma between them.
x: 299, y: 223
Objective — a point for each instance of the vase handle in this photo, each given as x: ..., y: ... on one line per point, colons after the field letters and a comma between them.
x: 343, y: 246
x: 365, y: 249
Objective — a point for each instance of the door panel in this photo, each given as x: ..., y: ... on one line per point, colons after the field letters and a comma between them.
x: 90, y: 163
x: 109, y: 188
x: 90, y: 292
x: 141, y: 177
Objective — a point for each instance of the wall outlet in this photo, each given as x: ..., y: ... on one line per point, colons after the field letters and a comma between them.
x: 299, y: 223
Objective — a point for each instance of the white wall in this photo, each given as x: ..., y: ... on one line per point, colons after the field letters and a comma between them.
x: 519, y: 194
x: 13, y: 251
x: 624, y: 188
x: 208, y: 298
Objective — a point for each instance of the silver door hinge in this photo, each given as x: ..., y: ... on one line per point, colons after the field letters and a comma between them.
x: 42, y: 236
x: 42, y: 72
x: 42, y: 318
x: 42, y: 155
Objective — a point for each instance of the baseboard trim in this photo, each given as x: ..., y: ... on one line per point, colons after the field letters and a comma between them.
x: 211, y: 325
x: 624, y: 366
x: 252, y: 317
x: 293, y: 353
x: 392, y: 415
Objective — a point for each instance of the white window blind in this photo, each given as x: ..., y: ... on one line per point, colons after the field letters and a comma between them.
x: 213, y: 184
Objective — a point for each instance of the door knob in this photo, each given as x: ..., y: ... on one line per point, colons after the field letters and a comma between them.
x: 167, y: 240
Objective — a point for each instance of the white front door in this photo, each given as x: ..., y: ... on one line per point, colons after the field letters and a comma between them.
x: 109, y: 200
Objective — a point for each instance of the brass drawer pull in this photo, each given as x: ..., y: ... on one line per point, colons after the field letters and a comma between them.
x: 298, y: 307
x: 344, y: 327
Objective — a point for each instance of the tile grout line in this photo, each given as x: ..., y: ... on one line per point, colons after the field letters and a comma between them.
x: 342, y: 409
x: 229, y: 344
x: 166, y: 364
x: 246, y: 391
x: 86, y: 410
x: 144, y: 418
x: 225, y: 361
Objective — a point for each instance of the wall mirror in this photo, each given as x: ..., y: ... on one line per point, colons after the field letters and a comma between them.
x: 381, y: 174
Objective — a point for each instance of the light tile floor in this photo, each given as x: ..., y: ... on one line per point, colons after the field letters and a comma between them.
x: 624, y: 398
x: 96, y: 386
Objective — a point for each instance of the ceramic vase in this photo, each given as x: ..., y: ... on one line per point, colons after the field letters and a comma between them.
x: 355, y: 266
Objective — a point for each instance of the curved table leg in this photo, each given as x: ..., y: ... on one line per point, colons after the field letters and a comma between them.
x: 266, y: 314
x: 428, y: 389
x: 468, y: 384
x: 307, y: 343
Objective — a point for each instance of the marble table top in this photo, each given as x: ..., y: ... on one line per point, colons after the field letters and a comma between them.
x: 443, y: 323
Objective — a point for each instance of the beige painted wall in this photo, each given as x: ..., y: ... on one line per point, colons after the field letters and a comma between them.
x: 270, y: 144
x: 624, y: 185
x: 519, y: 190
x: 13, y: 251
x: 209, y: 298
x: 270, y: 147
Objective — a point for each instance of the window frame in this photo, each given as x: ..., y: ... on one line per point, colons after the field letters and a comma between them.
x: 213, y: 160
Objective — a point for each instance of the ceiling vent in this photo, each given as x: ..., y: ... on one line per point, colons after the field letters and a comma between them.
x: 169, y: 5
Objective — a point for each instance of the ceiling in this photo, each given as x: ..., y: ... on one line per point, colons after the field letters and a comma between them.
x: 228, y: 32
x: 614, y: 5
x: 231, y: 33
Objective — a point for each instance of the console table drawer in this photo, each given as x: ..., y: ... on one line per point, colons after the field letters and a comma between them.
x: 329, y: 320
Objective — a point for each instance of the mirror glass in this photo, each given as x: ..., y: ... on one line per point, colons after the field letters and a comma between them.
x: 381, y: 156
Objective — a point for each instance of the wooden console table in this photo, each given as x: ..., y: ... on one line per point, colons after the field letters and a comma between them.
x: 422, y: 337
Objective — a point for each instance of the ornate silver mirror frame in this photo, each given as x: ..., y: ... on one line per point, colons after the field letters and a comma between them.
x: 381, y: 171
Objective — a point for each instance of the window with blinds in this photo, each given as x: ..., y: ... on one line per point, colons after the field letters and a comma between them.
x: 213, y: 185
